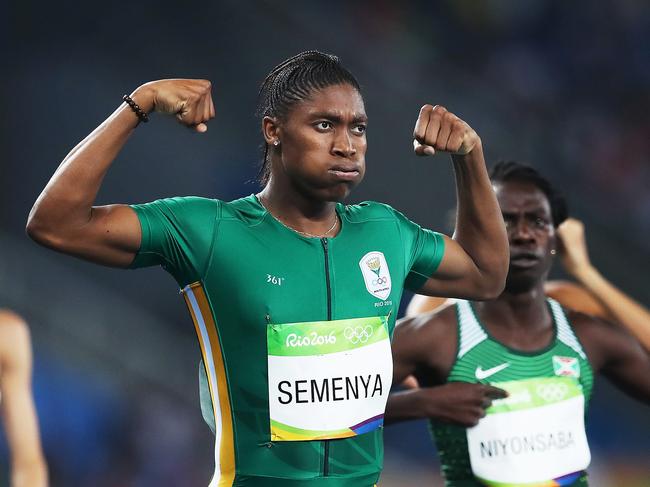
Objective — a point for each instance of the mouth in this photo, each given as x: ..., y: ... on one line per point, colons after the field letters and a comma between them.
x: 344, y: 173
x: 524, y: 260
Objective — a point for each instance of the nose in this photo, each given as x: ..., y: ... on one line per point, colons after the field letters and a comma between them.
x: 521, y: 231
x: 343, y: 145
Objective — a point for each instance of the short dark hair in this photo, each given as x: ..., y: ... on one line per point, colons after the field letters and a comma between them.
x: 294, y: 80
x: 504, y: 171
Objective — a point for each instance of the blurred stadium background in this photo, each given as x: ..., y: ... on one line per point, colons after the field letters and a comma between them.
x: 562, y: 85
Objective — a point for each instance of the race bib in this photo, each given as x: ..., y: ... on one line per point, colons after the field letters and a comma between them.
x: 534, y: 436
x: 328, y: 379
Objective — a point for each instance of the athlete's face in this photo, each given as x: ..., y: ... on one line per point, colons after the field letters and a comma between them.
x: 323, y: 143
x: 529, y: 223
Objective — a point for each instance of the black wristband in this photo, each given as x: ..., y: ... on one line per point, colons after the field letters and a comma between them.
x: 141, y: 114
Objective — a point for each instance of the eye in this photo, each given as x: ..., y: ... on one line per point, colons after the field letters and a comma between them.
x: 359, y: 129
x: 324, y: 125
x: 540, y: 222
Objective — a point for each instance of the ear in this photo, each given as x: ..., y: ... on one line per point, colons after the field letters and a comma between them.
x: 271, y: 130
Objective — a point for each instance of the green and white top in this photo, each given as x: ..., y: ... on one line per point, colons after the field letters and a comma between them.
x: 535, y: 436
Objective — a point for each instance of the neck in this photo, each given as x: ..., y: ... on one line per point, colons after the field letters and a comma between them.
x: 521, y: 310
x: 298, y: 211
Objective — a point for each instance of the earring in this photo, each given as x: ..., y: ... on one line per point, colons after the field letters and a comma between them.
x: 276, y: 142
x: 553, y: 252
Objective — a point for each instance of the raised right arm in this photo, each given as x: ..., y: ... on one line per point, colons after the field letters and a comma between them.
x: 64, y: 218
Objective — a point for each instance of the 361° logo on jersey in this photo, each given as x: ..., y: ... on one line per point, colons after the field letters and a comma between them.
x: 376, y: 276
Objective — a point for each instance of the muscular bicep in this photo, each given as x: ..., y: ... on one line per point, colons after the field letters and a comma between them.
x: 456, y: 276
x: 111, y: 236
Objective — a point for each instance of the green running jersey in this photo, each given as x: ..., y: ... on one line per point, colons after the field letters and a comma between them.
x: 481, y: 358
x: 268, y: 305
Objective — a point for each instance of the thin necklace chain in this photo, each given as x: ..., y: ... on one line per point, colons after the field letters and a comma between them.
x: 306, y: 234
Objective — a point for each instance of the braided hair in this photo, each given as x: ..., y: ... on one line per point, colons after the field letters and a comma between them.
x: 504, y: 171
x: 294, y: 80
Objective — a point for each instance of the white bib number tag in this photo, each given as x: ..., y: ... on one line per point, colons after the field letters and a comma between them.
x: 536, y: 434
x: 328, y: 379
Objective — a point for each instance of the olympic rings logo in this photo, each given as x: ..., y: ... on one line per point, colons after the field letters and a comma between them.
x: 379, y: 281
x: 552, y: 392
x: 358, y: 334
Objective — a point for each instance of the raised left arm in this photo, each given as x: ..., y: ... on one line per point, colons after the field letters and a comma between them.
x: 475, y: 263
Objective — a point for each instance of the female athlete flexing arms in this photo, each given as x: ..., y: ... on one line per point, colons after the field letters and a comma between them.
x: 293, y: 294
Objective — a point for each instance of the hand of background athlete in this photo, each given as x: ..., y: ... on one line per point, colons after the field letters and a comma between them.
x: 459, y: 403
x: 437, y: 129
x: 189, y: 99
x: 573, y: 247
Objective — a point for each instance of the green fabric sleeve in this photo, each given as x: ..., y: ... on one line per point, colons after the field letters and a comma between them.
x: 425, y: 249
x: 430, y: 249
x: 177, y: 233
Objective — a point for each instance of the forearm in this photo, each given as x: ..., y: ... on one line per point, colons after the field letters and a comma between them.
x: 405, y: 406
x: 28, y: 466
x: 67, y: 200
x: 32, y: 473
x: 632, y: 315
x: 480, y: 230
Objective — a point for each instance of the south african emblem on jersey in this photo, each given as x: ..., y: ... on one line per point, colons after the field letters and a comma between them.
x: 566, y: 366
x: 375, y: 274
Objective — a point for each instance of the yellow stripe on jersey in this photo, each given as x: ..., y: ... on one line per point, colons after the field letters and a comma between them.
x: 206, y: 330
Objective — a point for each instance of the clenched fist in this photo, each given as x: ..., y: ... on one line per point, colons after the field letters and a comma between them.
x: 190, y: 100
x: 440, y: 130
x: 573, y: 247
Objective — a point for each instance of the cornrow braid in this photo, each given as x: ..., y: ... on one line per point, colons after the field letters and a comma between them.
x: 293, y: 81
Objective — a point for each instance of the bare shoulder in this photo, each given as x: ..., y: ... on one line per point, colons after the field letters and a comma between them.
x: 574, y: 296
x: 601, y: 339
x: 591, y: 327
x: 584, y: 323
